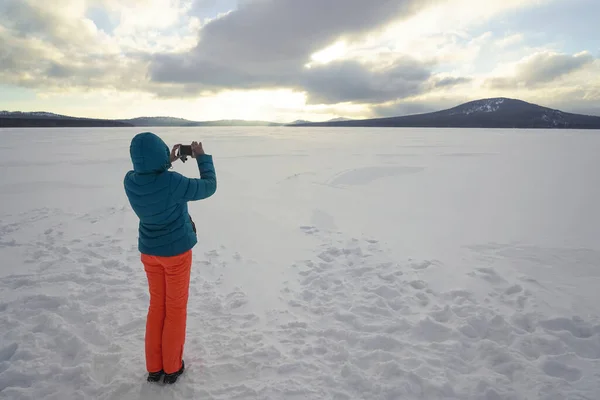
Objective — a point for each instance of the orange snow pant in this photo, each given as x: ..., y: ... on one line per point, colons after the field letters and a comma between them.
x: 168, y: 283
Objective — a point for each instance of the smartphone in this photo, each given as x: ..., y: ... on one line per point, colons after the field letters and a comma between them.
x: 185, y: 150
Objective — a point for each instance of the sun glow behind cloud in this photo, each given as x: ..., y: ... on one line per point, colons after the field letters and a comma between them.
x: 334, y: 52
x: 266, y: 105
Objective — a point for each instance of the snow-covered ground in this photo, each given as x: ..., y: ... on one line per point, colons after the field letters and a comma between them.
x: 331, y: 264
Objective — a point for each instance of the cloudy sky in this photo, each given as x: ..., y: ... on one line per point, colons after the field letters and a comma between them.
x: 282, y: 60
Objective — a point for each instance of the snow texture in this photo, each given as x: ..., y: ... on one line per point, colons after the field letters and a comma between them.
x: 556, y: 118
x: 481, y: 106
x: 331, y: 264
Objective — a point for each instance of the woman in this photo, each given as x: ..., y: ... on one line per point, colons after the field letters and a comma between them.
x: 167, y: 235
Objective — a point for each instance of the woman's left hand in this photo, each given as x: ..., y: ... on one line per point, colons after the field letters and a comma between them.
x: 174, y: 153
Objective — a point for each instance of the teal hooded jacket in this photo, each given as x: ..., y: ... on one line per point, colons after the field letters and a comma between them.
x: 159, y: 197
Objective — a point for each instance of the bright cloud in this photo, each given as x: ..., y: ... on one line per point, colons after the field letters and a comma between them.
x: 542, y: 68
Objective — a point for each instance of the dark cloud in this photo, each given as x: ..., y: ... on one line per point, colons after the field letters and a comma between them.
x: 501, y: 83
x: 20, y: 61
x: 279, y: 35
x: 542, y: 68
x: 267, y: 43
x: 56, y: 70
x: 546, y: 67
x: 451, y: 81
x: 344, y: 81
x: 335, y: 82
x: 25, y: 19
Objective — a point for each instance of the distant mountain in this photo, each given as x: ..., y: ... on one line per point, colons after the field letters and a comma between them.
x: 486, y: 113
x: 46, y: 119
x: 42, y: 119
x: 234, y: 122
x: 340, y: 119
x: 170, y: 121
x: 300, y: 122
x: 33, y: 114
x: 304, y: 122
x: 157, y: 121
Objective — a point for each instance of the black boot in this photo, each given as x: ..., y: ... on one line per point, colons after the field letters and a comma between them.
x: 155, y: 376
x: 172, y: 378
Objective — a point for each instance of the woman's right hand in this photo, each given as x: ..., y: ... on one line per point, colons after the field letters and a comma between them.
x: 197, y: 149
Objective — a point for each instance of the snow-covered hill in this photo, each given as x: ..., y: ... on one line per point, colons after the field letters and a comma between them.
x: 42, y: 119
x: 485, y: 106
x: 33, y: 114
x: 485, y: 113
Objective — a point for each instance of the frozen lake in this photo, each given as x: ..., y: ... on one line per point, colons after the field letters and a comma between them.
x: 332, y: 264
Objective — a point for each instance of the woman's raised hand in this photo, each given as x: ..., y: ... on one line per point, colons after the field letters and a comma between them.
x: 197, y: 149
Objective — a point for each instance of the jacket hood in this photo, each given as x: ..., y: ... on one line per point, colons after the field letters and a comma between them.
x: 149, y: 154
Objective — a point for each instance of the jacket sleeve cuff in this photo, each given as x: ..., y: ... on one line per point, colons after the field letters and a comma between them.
x: 204, y: 158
